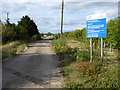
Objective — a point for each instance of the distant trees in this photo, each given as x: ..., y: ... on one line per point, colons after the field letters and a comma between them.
x: 25, y: 30
x: 49, y: 33
x: 27, y: 27
x: 113, y: 33
x: 75, y: 34
x: 112, y: 39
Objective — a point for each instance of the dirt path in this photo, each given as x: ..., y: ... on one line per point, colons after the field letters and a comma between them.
x: 37, y: 67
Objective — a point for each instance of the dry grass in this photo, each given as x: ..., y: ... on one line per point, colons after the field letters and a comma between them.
x: 10, y: 45
x: 12, y: 49
x: 76, y: 44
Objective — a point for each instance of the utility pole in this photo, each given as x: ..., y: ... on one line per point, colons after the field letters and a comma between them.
x: 62, y: 17
x: 7, y: 15
x: 7, y: 20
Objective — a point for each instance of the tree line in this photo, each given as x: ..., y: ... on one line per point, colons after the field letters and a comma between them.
x: 25, y: 30
x: 112, y: 39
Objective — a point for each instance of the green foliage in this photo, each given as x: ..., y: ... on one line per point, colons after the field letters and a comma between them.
x: 73, y: 52
x: 66, y: 71
x: 65, y: 34
x: 8, y: 53
x: 113, y: 33
x: 56, y: 36
x: 79, y: 35
x: 60, y: 46
x: 49, y: 33
x: 20, y: 48
x: 8, y: 33
x: 35, y: 37
x: 83, y: 55
x: 79, y: 72
x: 25, y: 30
x: 12, y: 49
x: 75, y: 34
x: 74, y: 86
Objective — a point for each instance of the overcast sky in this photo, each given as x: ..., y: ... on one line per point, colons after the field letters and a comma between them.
x: 47, y: 13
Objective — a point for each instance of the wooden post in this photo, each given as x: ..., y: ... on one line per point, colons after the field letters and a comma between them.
x: 62, y: 18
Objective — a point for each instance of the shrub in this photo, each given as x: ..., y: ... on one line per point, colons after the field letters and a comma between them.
x: 83, y: 56
x: 60, y: 46
x: 56, y: 36
x: 74, y: 86
x: 35, y: 37
x: 66, y: 71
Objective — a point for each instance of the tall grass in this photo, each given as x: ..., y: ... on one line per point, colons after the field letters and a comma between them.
x: 12, y: 49
x: 79, y: 72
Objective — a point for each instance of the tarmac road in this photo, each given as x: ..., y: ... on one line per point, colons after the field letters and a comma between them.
x: 36, y: 67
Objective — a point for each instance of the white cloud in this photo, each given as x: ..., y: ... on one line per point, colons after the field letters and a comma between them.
x: 47, y: 14
x: 61, y: 0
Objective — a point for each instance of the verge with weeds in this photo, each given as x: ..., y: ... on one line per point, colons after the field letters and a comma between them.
x: 12, y: 49
x: 79, y: 72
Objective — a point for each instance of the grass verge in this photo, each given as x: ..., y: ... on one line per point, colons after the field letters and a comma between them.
x: 12, y: 49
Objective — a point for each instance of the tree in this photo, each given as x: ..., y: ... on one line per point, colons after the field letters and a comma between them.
x: 8, y: 32
x: 27, y: 28
x: 49, y: 33
x: 113, y: 33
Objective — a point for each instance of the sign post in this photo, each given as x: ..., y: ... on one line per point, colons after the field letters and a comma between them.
x: 102, y: 49
x: 91, y: 50
x: 96, y: 28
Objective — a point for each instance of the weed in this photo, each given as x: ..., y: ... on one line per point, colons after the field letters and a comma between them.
x: 83, y: 56
x: 66, y: 71
x: 12, y: 49
x: 79, y: 71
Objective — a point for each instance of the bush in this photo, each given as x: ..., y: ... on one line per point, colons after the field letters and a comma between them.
x: 73, y: 86
x: 35, y: 37
x: 12, y: 49
x: 8, y: 53
x: 66, y: 71
x: 60, y: 46
x: 56, y: 36
x: 83, y: 56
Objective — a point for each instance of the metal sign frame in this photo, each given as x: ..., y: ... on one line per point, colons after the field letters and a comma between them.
x: 96, y: 28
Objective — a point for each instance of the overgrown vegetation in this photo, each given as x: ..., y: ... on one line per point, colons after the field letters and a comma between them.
x: 80, y: 73
x: 112, y: 39
x: 15, y: 37
x: 26, y: 30
x: 73, y: 50
x: 12, y: 49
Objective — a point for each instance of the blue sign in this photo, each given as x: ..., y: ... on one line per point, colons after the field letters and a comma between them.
x: 96, y: 26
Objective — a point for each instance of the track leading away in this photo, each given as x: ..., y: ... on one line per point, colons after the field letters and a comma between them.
x: 37, y: 67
